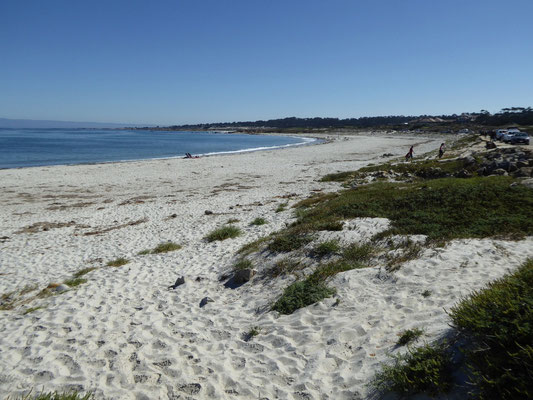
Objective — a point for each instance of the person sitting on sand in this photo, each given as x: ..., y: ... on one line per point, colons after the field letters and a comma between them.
x: 441, y: 150
x: 409, y: 155
x: 188, y: 155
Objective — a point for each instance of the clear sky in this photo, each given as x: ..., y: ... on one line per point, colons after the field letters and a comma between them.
x: 190, y: 61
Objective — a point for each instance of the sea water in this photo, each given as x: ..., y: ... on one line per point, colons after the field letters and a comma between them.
x: 39, y: 147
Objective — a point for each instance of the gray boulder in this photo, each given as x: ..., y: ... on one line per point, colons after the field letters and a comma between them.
x: 524, y: 172
x: 469, y: 161
x: 463, y: 174
x: 528, y: 183
x: 243, y: 275
x: 499, y: 171
x: 490, y: 145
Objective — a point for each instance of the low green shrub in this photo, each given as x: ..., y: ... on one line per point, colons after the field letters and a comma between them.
x: 325, y: 271
x: 258, y: 221
x: 281, y: 207
x: 59, y: 396
x: 243, y: 264
x: 327, y: 248
x: 425, y: 369
x: 497, y: 324
x: 285, y: 242
x: 83, y: 271
x: 408, y: 336
x: 442, y: 209
x: 223, y: 233
x: 75, y: 282
x: 358, y: 253
x: 285, y: 266
x: 31, y: 309
x: 118, y: 262
x: 166, y: 247
x: 301, y: 294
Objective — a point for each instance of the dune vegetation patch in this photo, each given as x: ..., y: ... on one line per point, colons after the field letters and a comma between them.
x: 73, y: 395
x: 162, y: 248
x: 301, y: 294
x: 408, y: 336
x: 496, y: 323
x: 118, y: 262
x: 258, y: 221
x: 442, y: 209
x: 83, y: 272
x: 426, y: 369
x: 495, y: 350
x: 327, y: 248
x: 223, y: 233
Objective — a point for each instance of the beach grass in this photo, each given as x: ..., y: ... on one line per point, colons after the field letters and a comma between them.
x: 32, y: 309
x: 288, y: 241
x: 258, y: 221
x: 56, y: 396
x: 442, y: 209
x: 243, y: 264
x: 408, y: 336
x: 496, y: 325
x: 165, y: 248
x: 285, y: 266
x: 84, y: 271
x: 223, y: 233
x: 118, y: 262
x: 301, y: 294
x: 75, y: 282
x: 426, y: 369
x: 326, y: 248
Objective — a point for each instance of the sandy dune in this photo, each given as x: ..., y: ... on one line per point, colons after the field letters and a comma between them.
x: 125, y: 335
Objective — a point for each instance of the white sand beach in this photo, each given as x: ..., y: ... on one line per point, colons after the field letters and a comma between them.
x: 125, y: 335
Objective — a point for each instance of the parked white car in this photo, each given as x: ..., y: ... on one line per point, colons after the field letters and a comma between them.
x: 500, y: 133
x: 506, y: 137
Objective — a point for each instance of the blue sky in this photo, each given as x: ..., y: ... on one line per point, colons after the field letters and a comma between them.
x: 173, y: 62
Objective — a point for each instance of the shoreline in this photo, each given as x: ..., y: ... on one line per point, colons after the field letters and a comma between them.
x: 305, y: 141
x: 125, y: 335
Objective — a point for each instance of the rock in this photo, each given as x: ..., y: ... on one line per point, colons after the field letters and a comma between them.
x: 528, y: 183
x: 243, y: 275
x: 520, y: 164
x: 512, y: 167
x: 469, y: 161
x: 180, y: 281
x: 524, y: 172
x: 505, y: 165
x: 207, y: 212
x: 206, y: 300
x: 190, y: 388
x: 173, y: 215
x: 482, y: 171
x: 463, y: 174
x: 387, y: 155
x: 490, y: 145
x: 60, y: 288
x: 499, y: 171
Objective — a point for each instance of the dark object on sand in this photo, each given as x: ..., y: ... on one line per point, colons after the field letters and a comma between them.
x: 206, y: 300
x: 180, y: 281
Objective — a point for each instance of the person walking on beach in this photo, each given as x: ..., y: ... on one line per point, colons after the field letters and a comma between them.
x: 441, y: 150
x: 409, y: 155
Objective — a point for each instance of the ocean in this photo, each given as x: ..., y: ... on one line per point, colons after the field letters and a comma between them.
x: 40, y: 147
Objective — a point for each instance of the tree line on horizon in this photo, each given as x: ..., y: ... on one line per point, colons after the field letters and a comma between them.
x: 506, y: 116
